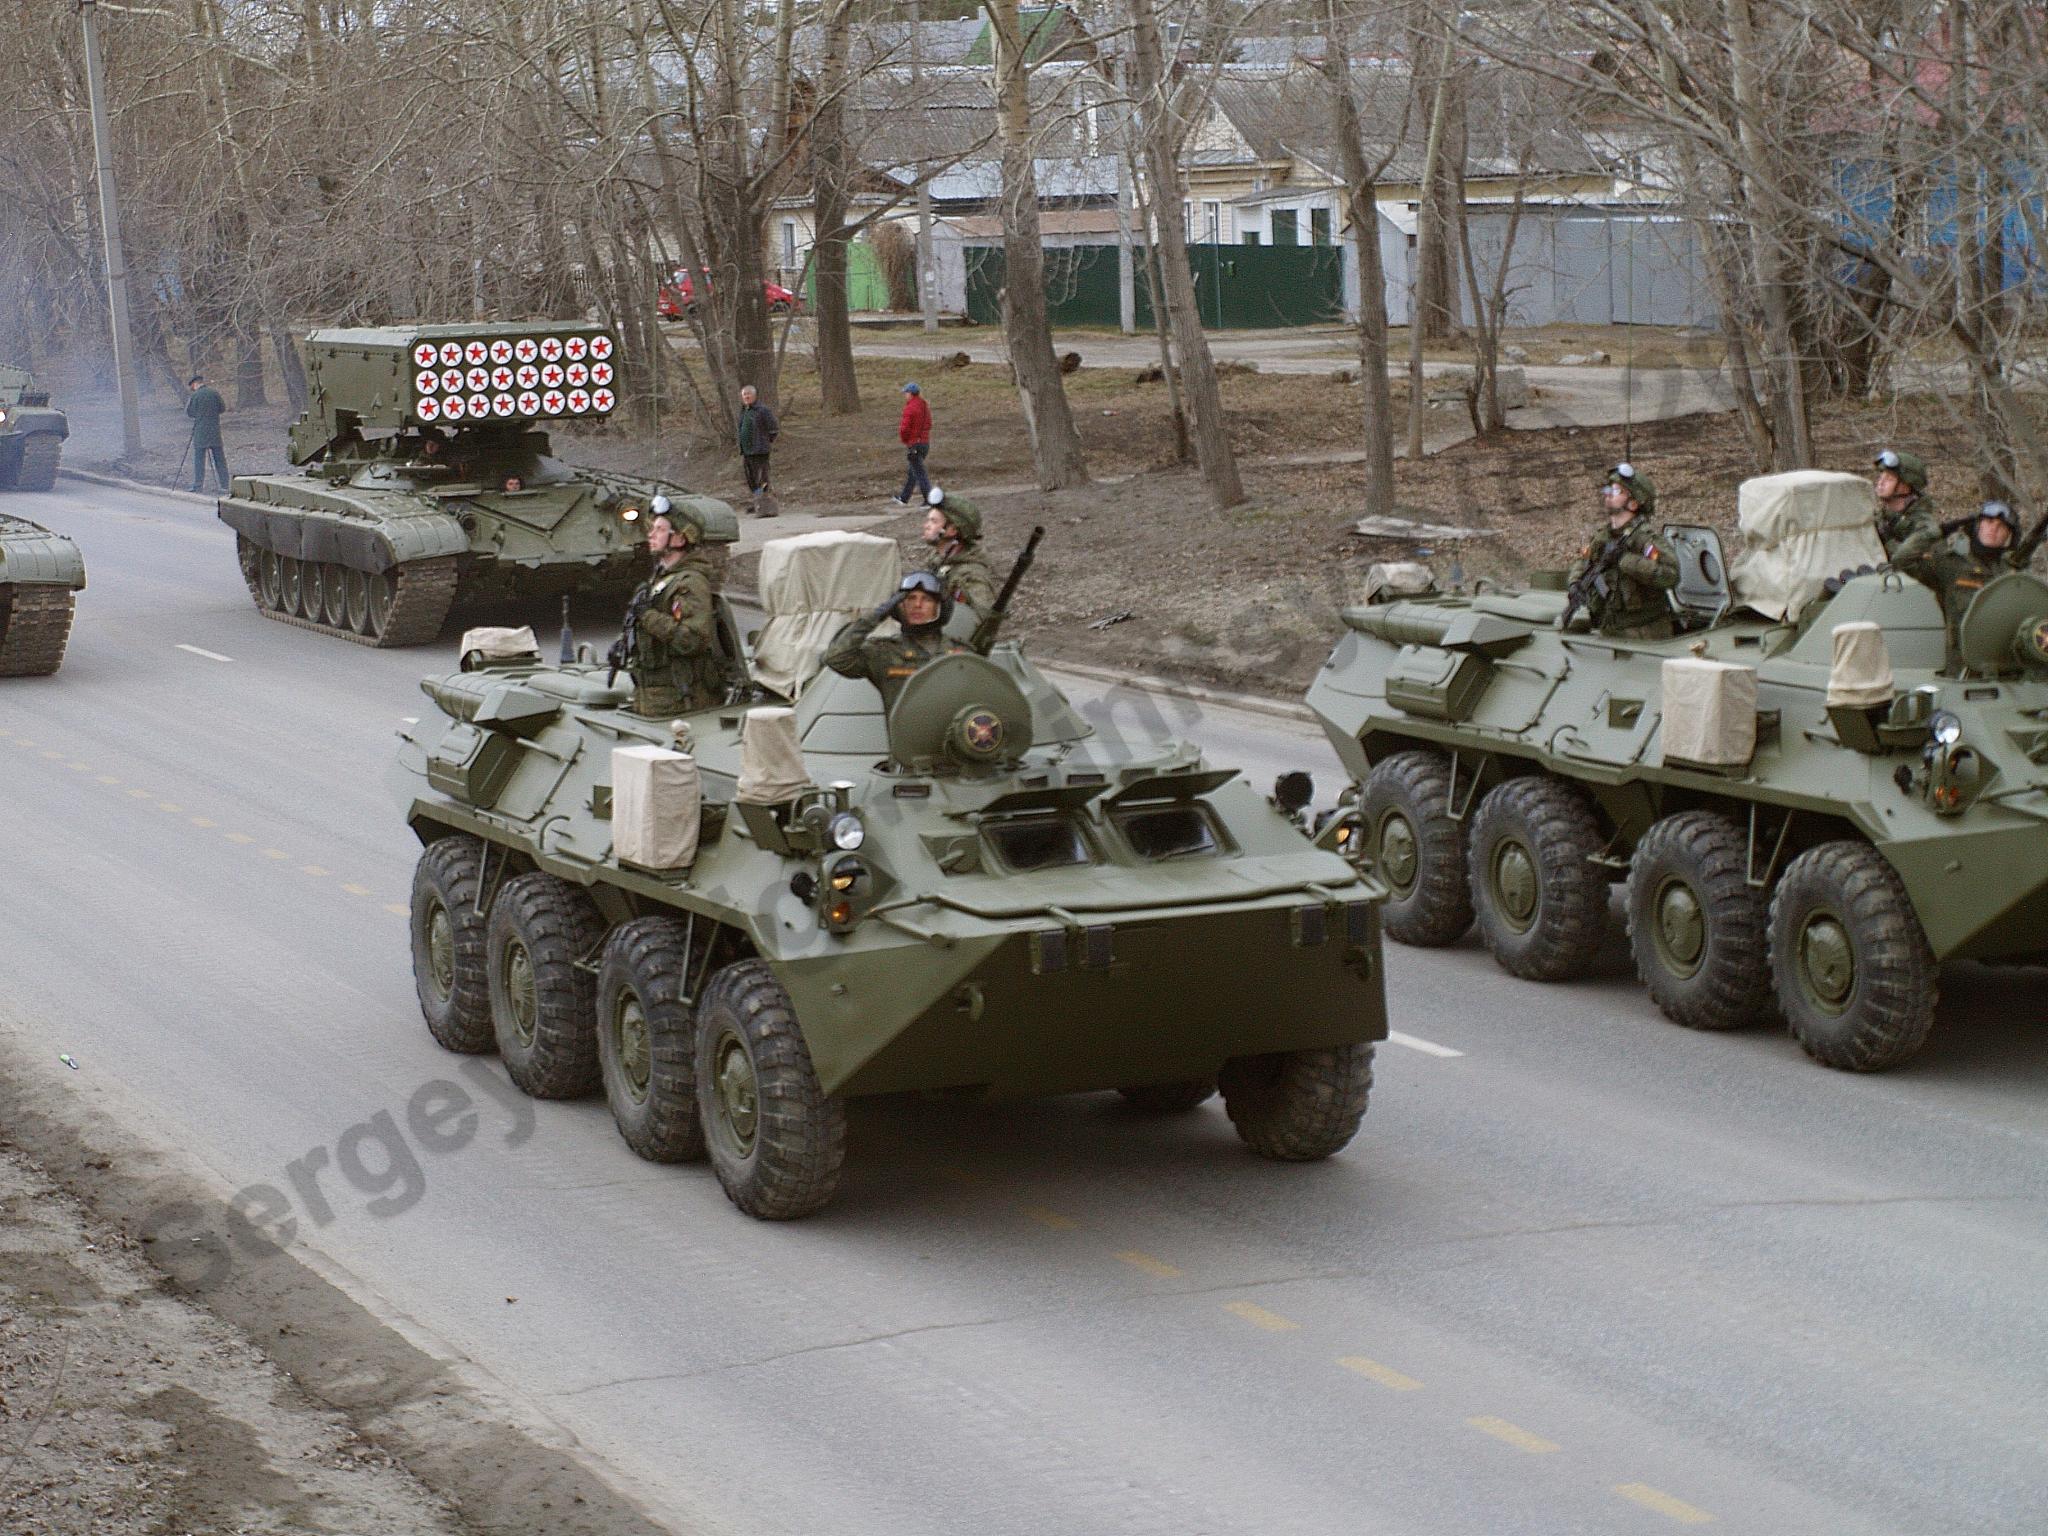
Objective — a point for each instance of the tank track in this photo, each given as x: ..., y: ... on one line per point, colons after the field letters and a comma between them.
x: 422, y: 594
x: 33, y: 630
x: 40, y: 452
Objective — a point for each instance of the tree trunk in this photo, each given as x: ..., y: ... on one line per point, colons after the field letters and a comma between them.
x: 1361, y: 194
x: 1055, y: 445
x: 830, y: 186
x: 1197, y: 369
x: 1155, y: 295
x: 1426, y: 292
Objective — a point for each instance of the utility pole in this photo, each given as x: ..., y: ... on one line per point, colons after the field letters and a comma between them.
x: 110, y: 226
x: 927, y: 284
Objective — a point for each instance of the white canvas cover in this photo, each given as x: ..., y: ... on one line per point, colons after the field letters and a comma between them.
x: 1709, y: 712
x: 1862, y: 672
x: 656, y: 801
x: 771, y: 758
x: 810, y: 586
x: 498, y: 644
x: 1399, y: 577
x: 1798, y: 529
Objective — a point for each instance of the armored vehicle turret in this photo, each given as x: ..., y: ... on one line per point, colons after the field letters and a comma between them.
x: 428, y: 483
x: 737, y: 923
x: 1811, y: 796
x: 32, y: 433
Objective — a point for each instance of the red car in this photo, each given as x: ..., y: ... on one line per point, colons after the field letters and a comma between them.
x: 677, y: 295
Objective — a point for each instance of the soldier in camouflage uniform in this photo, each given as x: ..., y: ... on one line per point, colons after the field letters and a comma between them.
x: 1639, y: 571
x: 1957, y: 576
x: 1907, y: 521
x: 678, y: 665
x: 952, y: 527
x: 921, y: 607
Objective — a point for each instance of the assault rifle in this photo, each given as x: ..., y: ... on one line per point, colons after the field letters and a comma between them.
x: 985, y: 631
x: 626, y: 649
x: 1591, y: 589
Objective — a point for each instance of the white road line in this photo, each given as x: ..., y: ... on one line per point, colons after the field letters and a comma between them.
x: 209, y: 655
x: 1415, y: 1043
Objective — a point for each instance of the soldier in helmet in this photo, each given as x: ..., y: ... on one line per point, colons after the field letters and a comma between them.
x: 1958, y: 575
x: 1907, y: 522
x: 677, y: 662
x: 1635, y: 570
x: 921, y: 606
x: 952, y: 527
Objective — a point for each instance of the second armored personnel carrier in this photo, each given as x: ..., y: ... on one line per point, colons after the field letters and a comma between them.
x: 1811, y: 799
x: 818, y: 900
x: 32, y: 433
x: 427, y: 482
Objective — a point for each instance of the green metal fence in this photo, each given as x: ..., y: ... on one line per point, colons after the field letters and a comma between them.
x: 1237, y: 287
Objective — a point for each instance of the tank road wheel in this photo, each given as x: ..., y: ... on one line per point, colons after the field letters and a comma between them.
x: 647, y: 1040
x: 334, y: 596
x: 1170, y: 1098
x: 1298, y: 1106
x: 270, y: 580
x: 1417, y: 848
x: 1698, y: 928
x: 1540, y: 901
x: 448, y: 944
x: 776, y: 1141
x: 293, y: 591
x: 356, y: 585
x: 379, y: 596
x: 40, y: 452
x: 1852, y: 966
x: 541, y: 930
x: 309, y: 591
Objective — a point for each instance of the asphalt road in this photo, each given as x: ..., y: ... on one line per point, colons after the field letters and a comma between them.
x: 1582, y: 1272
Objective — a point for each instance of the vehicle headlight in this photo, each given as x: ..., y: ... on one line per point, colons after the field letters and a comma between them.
x: 845, y: 832
x: 1945, y: 727
x: 630, y: 513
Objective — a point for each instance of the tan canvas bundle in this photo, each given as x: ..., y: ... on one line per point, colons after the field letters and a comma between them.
x: 1709, y: 712
x: 656, y: 805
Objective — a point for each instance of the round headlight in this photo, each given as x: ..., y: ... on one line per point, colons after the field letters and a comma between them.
x: 1945, y: 727
x: 846, y: 832
x: 630, y: 513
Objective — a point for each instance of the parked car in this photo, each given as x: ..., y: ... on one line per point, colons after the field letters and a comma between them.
x: 678, y: 294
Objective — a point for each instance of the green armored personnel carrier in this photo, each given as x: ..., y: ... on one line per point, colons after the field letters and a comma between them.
x: 815, y: 901
x: 428, y: 483
x: 32, y: 433
x: 1811, y: 796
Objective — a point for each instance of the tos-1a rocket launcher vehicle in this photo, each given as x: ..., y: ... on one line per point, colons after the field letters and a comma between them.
x: 427, y: 482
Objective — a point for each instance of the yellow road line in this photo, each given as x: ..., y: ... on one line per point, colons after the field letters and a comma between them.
x: 169, y: 809
x: 1663, y: 1503
x: 1053, y: 1219
x: 81, y: 767
x: 1259, y: 1317
x: 1512, y: 1434
x: 315, y: 871
x: 238, y: 837
x: 52, y: 752
x: 141, y: 794
x: 357, y: 890
x: 201, y: 821
x: 1385, y: 1375
x: 108, y: 778
x: 275, y: 853
x: 1147, y: 1263
x: 399, y: 907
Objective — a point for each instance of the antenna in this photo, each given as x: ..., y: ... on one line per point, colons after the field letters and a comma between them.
x: 1628, y: 377
x: 568, y: 640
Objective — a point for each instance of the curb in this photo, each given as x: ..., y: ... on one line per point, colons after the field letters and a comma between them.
x: 119, y: 482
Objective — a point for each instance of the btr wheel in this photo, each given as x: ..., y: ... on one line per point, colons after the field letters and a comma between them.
x: 1698, y: 928
x: 448, y: 944
x: 1298, y: 1106
x: 334, y: 596
x: 357, y: 601
x: 542, y: 931
x: 1854, y: 973
x: 776, y: 1141
x: 1170, y: 1098
x: 293, y: 595
x: 1540, y: 900
x: 270, y: 579
x: 1416, y: 848
x: 647, y: 1040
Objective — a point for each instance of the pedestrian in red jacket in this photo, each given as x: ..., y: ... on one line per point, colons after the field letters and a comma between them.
x: 915, y: 430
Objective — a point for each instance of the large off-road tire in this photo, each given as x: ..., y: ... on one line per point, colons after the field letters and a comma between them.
x: 1170, y: 1098
x: 1416, y: 848
x: 1298, y: 1106
x: 543, y: 1002
x: 448, y: 944
x: 40, y: 452
x: 1699, y: 930
x: 647, y: 1040
x: 1854, y: 973
x: 775, y: 1140
x: 1539, y: 899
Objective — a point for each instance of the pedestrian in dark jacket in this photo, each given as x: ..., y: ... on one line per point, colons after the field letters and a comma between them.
x: 204, y: 405
x: 758, y: 430
x: 915, y: 430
